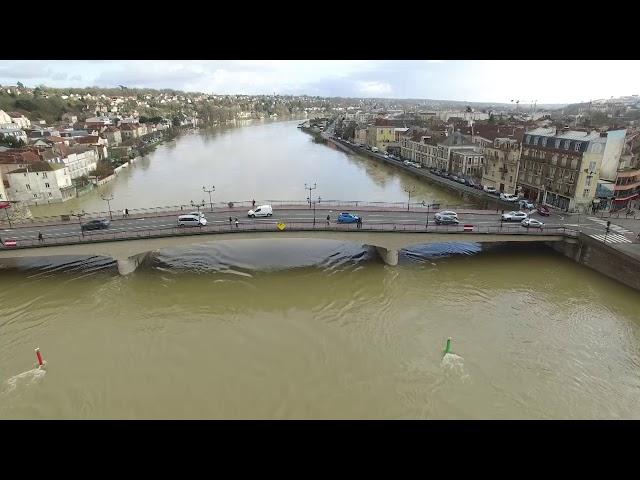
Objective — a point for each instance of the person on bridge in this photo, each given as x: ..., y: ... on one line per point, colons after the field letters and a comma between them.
x: 253, y: 204
x: 237, y: 223
x: 126, y: 212
x: 40, y: 239
x: 359, y: 222
x: 328, y: 220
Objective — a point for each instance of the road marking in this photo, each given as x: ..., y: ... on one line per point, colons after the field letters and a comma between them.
x: 611, y: 238
x: 615, y: 228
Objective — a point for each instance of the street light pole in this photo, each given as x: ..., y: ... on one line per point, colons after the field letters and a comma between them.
x: 310, y: 188
x: 198, y: 205
x: 108, y: 198
x: 79, y: 215
x: 213, y: 189
x: 409, y: 190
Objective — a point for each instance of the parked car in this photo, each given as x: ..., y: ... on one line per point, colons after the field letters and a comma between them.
x: 95, y: 225
x: 346, y: 217
x: 447, y: 213
x: 471, y: 183
x: 461, y: 180
x: 508, y: 197
x: 191, y: 221
x: 531, y: 223
x: 526, y: 204
x: 407, y: 163
x: 453, y: 177
x: 543, y: 210
x: 261, y: 211
x: 514, y: 216
x: 489, y: 189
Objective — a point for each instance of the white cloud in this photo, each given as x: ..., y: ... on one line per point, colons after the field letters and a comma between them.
x: 374, y: 88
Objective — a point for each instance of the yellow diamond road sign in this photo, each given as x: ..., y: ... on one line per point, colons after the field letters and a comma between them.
x: 281, y: 226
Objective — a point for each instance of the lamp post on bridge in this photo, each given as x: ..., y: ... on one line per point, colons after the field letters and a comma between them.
x: 108, y: 198
x: 409, y: 190
x: 198, y: 205
x: 79, y: 215
x: 310, y: 188
x: 213, y: 189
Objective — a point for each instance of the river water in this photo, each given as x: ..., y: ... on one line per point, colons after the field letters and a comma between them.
x: 311, y: 329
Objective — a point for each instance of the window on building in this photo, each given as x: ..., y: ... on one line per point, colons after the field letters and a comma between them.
x: 35, y: 195
x: 47, y: 185
x: 586, y: 192
x: 557, y: 143
x: 528, y: 139
x: 577, y: 146
x: 588, y: 182
x: 563, y: 162
x: 535, y: 140
x: 50, y: 194
x: 544, y: 142
x: 28, y: 186
x: 592, y: 166
x: 554, y: 160
x: 574, y: 163
x: 566, y: 144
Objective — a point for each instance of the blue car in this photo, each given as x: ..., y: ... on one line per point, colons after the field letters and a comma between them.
x: 345, y: 217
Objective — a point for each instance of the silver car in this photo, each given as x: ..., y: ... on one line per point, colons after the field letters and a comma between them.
x: 531, y: 223
x: 514, y: 216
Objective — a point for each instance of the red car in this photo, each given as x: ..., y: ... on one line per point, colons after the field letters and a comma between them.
x: 544, y: 211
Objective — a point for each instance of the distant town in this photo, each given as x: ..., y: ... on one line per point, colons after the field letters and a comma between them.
x: 579, y: 158
x: 57, y: 144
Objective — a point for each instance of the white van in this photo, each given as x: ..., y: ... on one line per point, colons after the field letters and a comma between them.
x: 261, y: 211
x: 191, y: 220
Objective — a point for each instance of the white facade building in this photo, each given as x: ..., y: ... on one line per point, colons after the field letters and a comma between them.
x: 40, y: 183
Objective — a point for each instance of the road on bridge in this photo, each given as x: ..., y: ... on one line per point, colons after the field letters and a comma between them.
x: 301, y: 218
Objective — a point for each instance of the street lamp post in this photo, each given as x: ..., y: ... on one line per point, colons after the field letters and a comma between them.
x: 310, y: 188
x: 213, y: 189
x: 108, y: 198
x: 198, y: 205
x: 409, y: 190
x: 79, y: 215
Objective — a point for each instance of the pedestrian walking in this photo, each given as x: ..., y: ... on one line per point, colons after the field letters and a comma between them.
x: 328, y: 220
x: 359, y: 223
x: 253, y: 204
x: 40, y: 238
x: 126, y: 212
x: 237, y: 223
x: 230, y: 221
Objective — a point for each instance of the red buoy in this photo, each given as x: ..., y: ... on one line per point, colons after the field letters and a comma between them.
x: 39, y: 355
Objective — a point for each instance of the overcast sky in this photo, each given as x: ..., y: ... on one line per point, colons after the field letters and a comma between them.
x: 547, y: 81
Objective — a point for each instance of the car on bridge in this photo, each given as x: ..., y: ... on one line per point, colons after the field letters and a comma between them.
x: 346, y: 217
x: 526, y: 204
x: 261, y: 211
x: 98, y: 224
x: 514, y: 216
x: 446, y: 220
x: 447, y: 213
x: 191, y: 221
x: 531, y: 223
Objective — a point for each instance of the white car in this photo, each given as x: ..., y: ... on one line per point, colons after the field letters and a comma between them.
x: 261, y: 211
x: 527, y: 204
x: 196, y: 214
x: 514, y: 216
x: 447, y: 213
x: 509, y: 197
x: 489, y: 189
x: 531, y: 223
x: 191, y: 221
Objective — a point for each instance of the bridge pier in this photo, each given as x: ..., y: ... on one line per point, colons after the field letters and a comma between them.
x: 388, y: 255
x: 129, y: 264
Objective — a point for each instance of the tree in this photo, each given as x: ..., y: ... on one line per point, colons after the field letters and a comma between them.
x: 20, y: 85
x: 175, y: 121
